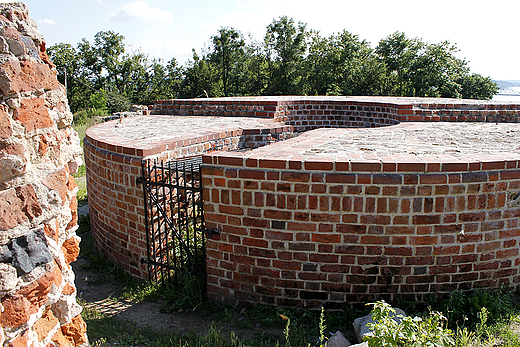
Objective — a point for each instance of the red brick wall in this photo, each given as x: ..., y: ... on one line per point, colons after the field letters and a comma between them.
x: 307, y: 234
x: 116, y: 207
x: 116, y: 202
x: 304, y: 233
x: 309, y: 112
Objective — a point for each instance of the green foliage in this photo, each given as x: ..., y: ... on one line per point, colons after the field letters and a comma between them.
x: 228, y: 53
x: 188, y: 294
x: 289, y: 60
x: 88, y: 117
x: 463, y: 309
x: 410, y: 332
x: 285, y: 46
x: 475, y: 86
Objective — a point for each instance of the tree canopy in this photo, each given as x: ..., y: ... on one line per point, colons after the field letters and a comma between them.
x: 290, y: 60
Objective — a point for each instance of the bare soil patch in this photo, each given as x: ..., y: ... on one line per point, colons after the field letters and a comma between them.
x: 104, y: 296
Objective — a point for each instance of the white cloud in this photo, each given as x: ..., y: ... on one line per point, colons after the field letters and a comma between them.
x: 140, y: 11
x: 46, y: 21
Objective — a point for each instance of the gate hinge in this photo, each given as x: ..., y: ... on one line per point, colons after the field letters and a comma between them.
x: 144, y: 260
x: 211, y: 232
x: 139, y: 180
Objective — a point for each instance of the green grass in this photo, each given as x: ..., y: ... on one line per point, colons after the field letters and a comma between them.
x: 80, y: 175
x: 103, y: 329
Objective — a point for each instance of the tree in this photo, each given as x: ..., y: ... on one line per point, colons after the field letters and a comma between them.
x: 475, y: 86
x: 201, y: 78
x: 289, y: 60
x: 285, y: 47
x: 227, y: 53
x: 342, y: 65
x: 435, y: 71
x: 399, y: 53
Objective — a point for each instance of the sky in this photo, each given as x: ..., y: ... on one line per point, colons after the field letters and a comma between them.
x: 486, y: 32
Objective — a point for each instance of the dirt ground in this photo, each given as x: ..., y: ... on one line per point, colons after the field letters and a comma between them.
x: 103, y: 296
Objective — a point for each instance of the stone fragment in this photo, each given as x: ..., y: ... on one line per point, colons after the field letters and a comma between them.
x: 6, y: 130
x: 76, y: 330
x: 21, y: 340
x: 68, y: 290
x: 31, y: 206
x: 16, y: 47
x: 4, y: 46
x: 12, y: 148
x: 74, y: 211
x: 58, y: 181
x: 16, y: 311
x: 70, y: 249
x: 11, y: 213
x: 37, y: 292
x: 26, y: 252
x: 61, y: 340
x: 10, y: 33
x: 25, y: 76
x: 45, y: 324
x: 18, y: 206
x: 51, y: 230
x: 361, y: 328
x: 33, y: 114
x: 43, y: 55
x: 338, y: 340
x: 13, y: 160
x: 29, y: 46
x: 8, y: 277
x: 66, y: 308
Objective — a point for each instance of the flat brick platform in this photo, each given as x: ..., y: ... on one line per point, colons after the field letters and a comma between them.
x: 379, y: 198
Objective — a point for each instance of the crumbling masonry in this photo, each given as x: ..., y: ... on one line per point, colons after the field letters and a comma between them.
x: 39, y: 151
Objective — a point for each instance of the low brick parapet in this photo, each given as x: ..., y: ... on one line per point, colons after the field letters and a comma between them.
x: 305, y: 223
x: 378, y: 198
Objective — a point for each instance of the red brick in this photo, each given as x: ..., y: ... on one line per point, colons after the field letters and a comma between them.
x: 233, y: 210
x: 252, y: 174
x: 276, y: 214
x: 365, y: 166
x: 319, y: 165
x: 6, y: 130
x: 340, y: 178
x: 326, y: 238
x: 426, y: 219
x: 375, y: 219
x: 375, y: 240
x: 278, y: 235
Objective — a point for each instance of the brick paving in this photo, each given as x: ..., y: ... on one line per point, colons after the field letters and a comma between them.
x: 144, y: 130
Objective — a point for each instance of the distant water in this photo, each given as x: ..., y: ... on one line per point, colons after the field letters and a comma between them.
x: 505, y: 96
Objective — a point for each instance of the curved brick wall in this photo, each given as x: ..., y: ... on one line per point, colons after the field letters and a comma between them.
x: 113, y: 162
x: 305, y: 222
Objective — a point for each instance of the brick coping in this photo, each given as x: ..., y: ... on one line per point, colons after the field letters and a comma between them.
x: 294, y: 154
x: 104, y: 137
x: 303, y: 152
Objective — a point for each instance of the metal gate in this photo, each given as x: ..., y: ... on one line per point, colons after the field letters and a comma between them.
x: 174, y: 220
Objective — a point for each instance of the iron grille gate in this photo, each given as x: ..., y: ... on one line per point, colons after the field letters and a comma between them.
x: 174, y: 220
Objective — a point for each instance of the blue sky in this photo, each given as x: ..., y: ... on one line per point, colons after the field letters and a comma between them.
x: 487, y: 33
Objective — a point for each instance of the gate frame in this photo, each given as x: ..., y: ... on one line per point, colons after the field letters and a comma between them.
x: 194, y: 263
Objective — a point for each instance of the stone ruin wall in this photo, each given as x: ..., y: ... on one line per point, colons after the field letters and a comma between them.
x: 39, y: 151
